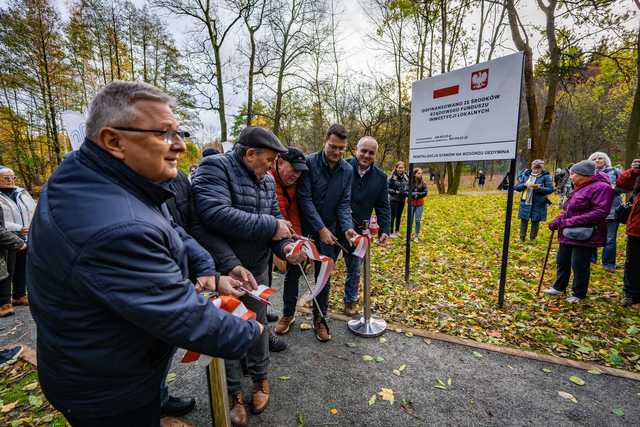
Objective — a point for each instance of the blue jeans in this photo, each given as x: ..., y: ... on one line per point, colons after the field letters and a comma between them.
x: 164, y: 387
x: 609, y: 250
x: 417, y: 217
x: 354, y: 265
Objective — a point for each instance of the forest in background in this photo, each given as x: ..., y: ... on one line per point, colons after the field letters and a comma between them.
x: 580, y: 92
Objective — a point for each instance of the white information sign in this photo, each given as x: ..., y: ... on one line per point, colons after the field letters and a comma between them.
x: 73, y: 123
x: 467, y: 114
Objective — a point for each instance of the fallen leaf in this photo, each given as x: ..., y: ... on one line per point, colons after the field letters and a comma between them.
x: 300, y: 419
x: 449, y: 382
x: 396, y: 372
x: 387, y: 394
x: 284, y: 378
x: 305, y: 326
x: 427, y: 341
x: 8, y: 407
x: 30, y: 387
x: 595, y: 371
x: 372, y: 399
x: 382, y: 340
x: 476, y: 354
x: 408, y: 334
x: 618, y: 411
x: 576, y: 380
x: 333, y: 411
x: 567, y: 396
x: 402, y: 368
x: 398, y: 330
x: 171, y: 377
x: 632, y: 330
x: 35, y: 401
x: 495, y: 334
x: 546, y: 370
x: 379, y: 359
x: 509, y: 366
x: 351, y: 344
x: 367, y: 358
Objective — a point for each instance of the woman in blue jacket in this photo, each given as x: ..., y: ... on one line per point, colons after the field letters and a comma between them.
x: 535, y: 185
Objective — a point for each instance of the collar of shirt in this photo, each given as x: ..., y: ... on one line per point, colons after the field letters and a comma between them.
x: 361, y: 172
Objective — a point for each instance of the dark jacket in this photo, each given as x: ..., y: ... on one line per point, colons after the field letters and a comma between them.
x: 237, y: 206
x: 9, y: 241
x: 182, y: 209
x: 108, y: 289
x: 587, y: 206
x: 418, y: 193
x: 398, y: 187
x: 537, y: 210
x: 613, y: 174
x: 369, y: 192
x: 324, y: 195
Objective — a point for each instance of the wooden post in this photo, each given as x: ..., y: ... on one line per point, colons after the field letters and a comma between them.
x: 218, y: 396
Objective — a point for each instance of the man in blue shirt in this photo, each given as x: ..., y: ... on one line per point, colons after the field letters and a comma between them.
x: 324, y: 198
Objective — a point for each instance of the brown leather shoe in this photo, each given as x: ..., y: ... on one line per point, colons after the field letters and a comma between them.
x: 6, y: 310
x: 283, y: 325
x: 23, y: 300
x: 260, y: 396
x: 350, y: 309
x: 238, y: 413
x: 322, y: 334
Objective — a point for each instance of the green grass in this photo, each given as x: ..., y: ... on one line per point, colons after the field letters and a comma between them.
x: 456, y: 269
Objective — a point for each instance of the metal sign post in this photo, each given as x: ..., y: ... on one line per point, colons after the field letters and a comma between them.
x: 365, y: 325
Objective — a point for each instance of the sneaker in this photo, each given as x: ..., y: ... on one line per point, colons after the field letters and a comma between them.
x: 177, y: 407
x: 609, y: 268
x: 276, y: 345
x: 322, y: 333
x: 7, y: 310
x: 284, y: 324
x: 272, y: 315
x: 415, y: 240
x: 551, y: 291
x: 573, y: 299
x: 628, y: 301
x: 350, y: 309
x: 10, y: 353
x: 23, y: 300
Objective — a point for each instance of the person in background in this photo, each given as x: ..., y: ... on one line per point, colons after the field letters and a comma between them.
x: 18, y: 208
x: 629, y: 180
x: 289, y: 168
x: 209, y: 151
x: 564, y: 185
x: 398, y: 190
x: 8, y: 242
x: 535, y: 185
x: 368, y: 193
x: 581, y: 227
x: 482, y: 177
x: 235, y: 199
x: 108, y: 272
x: 603, y: 164
x: 416, y: 201
x: 324, y: 197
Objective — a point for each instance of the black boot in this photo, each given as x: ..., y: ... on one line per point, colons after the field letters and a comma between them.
x: 177, y: 407
x: 272, y: 315
x: 275, y: 344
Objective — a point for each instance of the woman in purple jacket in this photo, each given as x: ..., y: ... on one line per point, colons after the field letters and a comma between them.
x: 581, y: 227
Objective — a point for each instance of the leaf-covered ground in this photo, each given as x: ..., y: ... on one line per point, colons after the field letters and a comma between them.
x: 21, y: 400
x: 456, y: 267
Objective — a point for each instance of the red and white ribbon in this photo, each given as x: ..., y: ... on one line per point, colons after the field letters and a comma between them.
x: 326, y: 263
x: 231, y: 305
x: 361, y: 242
x: 263, y: 292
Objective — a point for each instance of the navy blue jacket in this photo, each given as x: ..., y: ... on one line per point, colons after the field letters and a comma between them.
x: 537, y: 210
x: 324, y: 195
x: 369, y: 192
x: 108, y: 288
x: 233, y: 203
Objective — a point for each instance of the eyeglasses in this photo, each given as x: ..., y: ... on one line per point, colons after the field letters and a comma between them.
x: 9, y: 178
x: 168, y: 135
x: 339, y: 149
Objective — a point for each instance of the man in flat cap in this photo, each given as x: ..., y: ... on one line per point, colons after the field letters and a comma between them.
x: 235, y: 198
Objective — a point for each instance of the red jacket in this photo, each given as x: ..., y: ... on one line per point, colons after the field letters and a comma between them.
x: 626, y: 181
x: 288, y: 202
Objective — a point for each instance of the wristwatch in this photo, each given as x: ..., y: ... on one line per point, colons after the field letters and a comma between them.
x: 216, y: 281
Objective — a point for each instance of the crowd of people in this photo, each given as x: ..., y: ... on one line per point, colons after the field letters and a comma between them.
x: 122, y: 247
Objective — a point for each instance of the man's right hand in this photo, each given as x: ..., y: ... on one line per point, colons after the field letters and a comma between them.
x: 283, y: 231
x: 327, y: 237
x: 24, y: 246
x: 243, y: 275
x: 636, y: 165
x: 230, y: 286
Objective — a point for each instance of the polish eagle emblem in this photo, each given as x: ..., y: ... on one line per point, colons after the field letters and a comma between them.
x: 479, y: 79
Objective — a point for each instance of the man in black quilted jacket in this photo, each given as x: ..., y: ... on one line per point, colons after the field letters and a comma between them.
x: 235, y: 199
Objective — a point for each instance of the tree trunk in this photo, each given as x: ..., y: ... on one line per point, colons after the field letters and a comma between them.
x: 633, y: 132
x: 553, y: 78
x: 252, y: 59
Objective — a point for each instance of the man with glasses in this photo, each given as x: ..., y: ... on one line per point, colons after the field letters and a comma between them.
x: 107, y: 271
x: 18, y: 207
x: 369, y: 192
x: 324, y: 197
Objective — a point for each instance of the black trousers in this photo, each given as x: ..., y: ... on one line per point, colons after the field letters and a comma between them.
x: 576, y: 259
x: 145, y: 416
x: 535, y: 226
x: 396, y: 214
x: 290, y: 293
x: 632, y: 269
x: 16, y: 261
